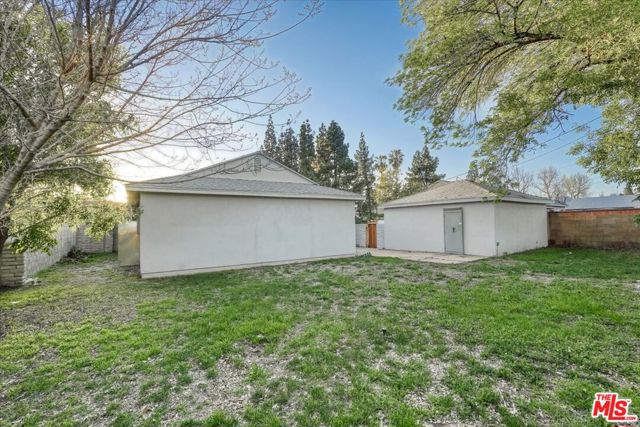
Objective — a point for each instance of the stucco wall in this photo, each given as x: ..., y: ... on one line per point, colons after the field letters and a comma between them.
x: 421, y: 228
x: 596, y: 229
x: 380, y: 235
x: 520, y: 227
x: 182, y: 234
x: 417, y: 228
x: 361, y: 235
x: 128, y: 244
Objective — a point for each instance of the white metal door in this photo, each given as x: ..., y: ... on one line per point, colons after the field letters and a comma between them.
x: 453, y: 232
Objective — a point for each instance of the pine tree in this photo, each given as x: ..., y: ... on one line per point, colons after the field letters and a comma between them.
x: 322, y: 160
x: 333, y: 166
x: 365, y: 180
x: 270, y: 144
x: 288, y: 149
x: 422, y: 171
x: 307, y: 150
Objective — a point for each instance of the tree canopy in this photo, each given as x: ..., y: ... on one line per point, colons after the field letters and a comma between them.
x: 333, y: 166
x: 270, y: 143
x: 388, y: 185
x: 422, y: 171
x: 307, y: 149
x: 502, y: 73
x: 288, y: 148
x: 365, y: 180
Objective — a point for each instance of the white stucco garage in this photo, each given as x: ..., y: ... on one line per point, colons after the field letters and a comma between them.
x: 245, y: 212
x: 467, y: 218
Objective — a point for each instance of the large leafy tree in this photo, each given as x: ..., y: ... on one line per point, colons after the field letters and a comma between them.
x: 333, y: 166
x: 521, y: 180
x: 307, y: 149
x: 383, y: 190
x: 85, y: 82
x: 422, y: 171
x: 502, y: 73
x: 550, y: 183
x: 576, y: 185
x: 365, y: 180
x: 288, y: 149
x: 388, y: 185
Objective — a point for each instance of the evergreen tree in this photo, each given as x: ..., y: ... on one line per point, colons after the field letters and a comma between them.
x: 422, y: 171
x: 270, y: 143
x: 365, y: 180
x: 307, y: 149
x: 333, y: 166
x: 321, y: 162
x: 288, y: 149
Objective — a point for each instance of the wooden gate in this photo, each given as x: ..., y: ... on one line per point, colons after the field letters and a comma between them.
x: 372, y: 235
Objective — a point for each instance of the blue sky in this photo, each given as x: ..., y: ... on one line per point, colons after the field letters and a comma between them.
x: 344, y: 55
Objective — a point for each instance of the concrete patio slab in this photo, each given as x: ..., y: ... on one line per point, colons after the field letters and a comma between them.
x: 435, y: 257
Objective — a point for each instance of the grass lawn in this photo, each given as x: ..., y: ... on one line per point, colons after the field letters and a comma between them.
x: 519, y: 341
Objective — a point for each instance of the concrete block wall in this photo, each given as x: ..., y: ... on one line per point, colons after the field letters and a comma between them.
x: 11, y: 268
x: 615, y: 228
x: 90, y: 246
x: 16, y: 268
x: 37, y: 261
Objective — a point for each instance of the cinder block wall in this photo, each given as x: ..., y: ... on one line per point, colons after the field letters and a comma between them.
x: 595, y: 229
x: 11, y: 268
x: 16, y: 268
x: 90, y: 246
x: 37, y: 261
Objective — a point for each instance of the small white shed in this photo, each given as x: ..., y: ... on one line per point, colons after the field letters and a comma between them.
x: 245, y: 212
x: 465, y: 217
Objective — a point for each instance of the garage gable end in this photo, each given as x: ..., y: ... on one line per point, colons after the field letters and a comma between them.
x: 255, y: 167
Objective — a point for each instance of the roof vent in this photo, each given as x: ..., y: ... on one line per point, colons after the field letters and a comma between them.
x: 257, y: 164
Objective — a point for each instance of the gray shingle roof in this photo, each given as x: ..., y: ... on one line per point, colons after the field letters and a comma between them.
x: 604, y: 202
x: 214, y: 180
x: 443, y: 192
x: 212, y: 185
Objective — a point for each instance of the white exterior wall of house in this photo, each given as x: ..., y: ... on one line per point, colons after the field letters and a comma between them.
x: 417, y: 228
x: 489, y: 228
x: 421, y: 228
x: 187, y: 233
x: 479, y: 228
x: 520, y: 227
